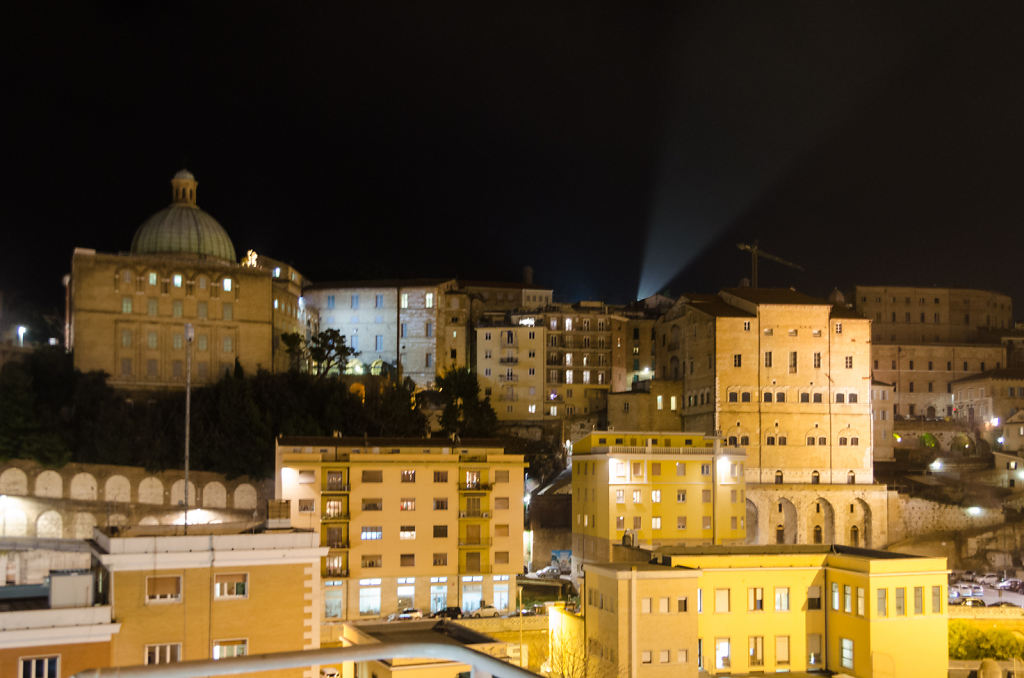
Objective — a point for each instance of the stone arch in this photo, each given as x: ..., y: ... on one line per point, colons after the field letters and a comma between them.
x: 83, y: 486
x: 14, y: 481
x: 784, y: 522
x: 117, y: 488
x: 245, y: 496
x: 673, y: 366
x: 752, y: 523
x: 859, y: 516
x: 50, y: 525
x: 49, y: 484
x: 151, y: 491
x: 821, y: 518
x: 149, y: 520
x: 815, y: 478
x: 214, y: 495
x: 178, y: 493
x: 13, y: 522
x: 117, y: 520
x: 82, y: 524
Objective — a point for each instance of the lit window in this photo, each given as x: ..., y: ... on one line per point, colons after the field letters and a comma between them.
x: 428, y: 300
x: 126, y: 305
x: 152, y: 278
x: 166, y: 589
x: 846, y: 653
x: 177, y: 279
x: 227, y: 284
x: 231, y: 585
x: 168, y: 653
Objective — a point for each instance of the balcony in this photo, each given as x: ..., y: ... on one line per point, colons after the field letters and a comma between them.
x: 508, y: 360
x: 337, y: 487
x: 336, y: 515
x: 336, y: 571
x: 337, y: 543
x: 474, y: 514
x: 508, y: 378
x: 474, y: 543
x: 475, y: 487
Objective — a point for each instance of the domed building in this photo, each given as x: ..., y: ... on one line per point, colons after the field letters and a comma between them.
x: 127, y: 312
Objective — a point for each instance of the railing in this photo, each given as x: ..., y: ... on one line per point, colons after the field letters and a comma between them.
x: 471, y: 487
x: 337, y: 543
x: 508, y: 377
x: 482, y: 664
x: 481, y: 542
x: 474, y: 514
x: 336, y: 515
x: 337, y: 571
x: 508, y: 360
x: 337, y: 487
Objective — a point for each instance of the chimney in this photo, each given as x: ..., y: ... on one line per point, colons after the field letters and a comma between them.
x: 527, y: 275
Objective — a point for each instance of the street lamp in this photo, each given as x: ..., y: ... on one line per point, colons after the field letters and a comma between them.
x: 21, y: 334
x: 190, y: 334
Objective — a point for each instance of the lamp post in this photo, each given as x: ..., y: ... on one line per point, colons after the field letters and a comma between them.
x: 21, y: 335
x: 190, y: 334
x: 519, y: 590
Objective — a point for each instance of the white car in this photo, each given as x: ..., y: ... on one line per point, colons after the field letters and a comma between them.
x: 989, y: 579
x: 550, y: 572
x: 410, y: 613
x: 977, y: 590
x: 485, y: 611
x: 964, y: 589
x: 1008, y: 584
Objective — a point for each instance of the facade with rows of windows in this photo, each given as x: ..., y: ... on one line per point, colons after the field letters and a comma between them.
x: 745, y: 610
x: 408, y: 523
x: 653, y: 489
x: 126, y: 313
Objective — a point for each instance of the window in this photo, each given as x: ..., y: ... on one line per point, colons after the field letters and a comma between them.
x: 846, y: 653
x: 860, y: 601
x: 814, y: 598
x: 408, y: 476
x: 406, y: 504
x: 847, y: 598
x: 882, y: 603
x: 229, y: 648
x: 721, y: 600
x: 440, y: 531
x: 407, y: 559
x: 901, y: 603
x: 839, y: 328
x: 167, y: 653
x: 636, y: 497
x: 126, y: 304
x: 440, y: 476
x: 737, y: 360
x: 755, y: 599
x: 227, y: 311
x: 681, y: 471
x: 782, y: 650
x: 378, y: 301
x: 705, y: 496
x: 407, y: 532
x: 228, y: 344
x: 501, y: 557
x: 656, y: 523
x: 835, y: 596
x: 792, y: 361
x: 306, y: 506
x: 428, y: 300
x: 152, y: 307
x: 755, y: 650
x: 782, y: 599
x: 373, y: 476
x: 645, y: 657
x: 370, y: 561
x: 373, y: 504
x: 501, y: 476
x: 767, y: 358
x: 817, y: 360
x: 440, y: 503
x: 937, y: 599
x: 655, y: 496
x: 680, y: 522
x: 165, y: 589
x: 918, y: 600
x: 369, y: 597
x: 231, y: 585
x: 372, y: 533
x: 501, y: 503
x: 440, y: 559
x: 39, y: 667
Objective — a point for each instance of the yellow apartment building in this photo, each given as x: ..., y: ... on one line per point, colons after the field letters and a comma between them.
x: 179, y: 598
x: 749, y: 609
x: 510, y: 368
x: 126, y: 313
x: 421, y: 523
x: 653, y: 489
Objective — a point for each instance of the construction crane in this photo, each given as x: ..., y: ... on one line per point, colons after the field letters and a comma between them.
x: 757, y: 253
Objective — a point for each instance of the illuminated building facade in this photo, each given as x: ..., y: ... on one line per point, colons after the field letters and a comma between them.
x: 743, y: 610
x: 126, y: 313
x: 408, y: 522
x: 653, y: 489
x: 510, y: 366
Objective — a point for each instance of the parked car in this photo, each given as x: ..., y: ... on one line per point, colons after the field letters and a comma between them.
x: 989, y: 579
x: 953, y: 594
x: 972, y: 602
x: 977, y: 590
x: 450, y: 612
x: 485, y: 611
x: 410, y: 613
x: 1009, y: 584
x: 968, y: 575
x: 963, y: 589
x: 549, y: 572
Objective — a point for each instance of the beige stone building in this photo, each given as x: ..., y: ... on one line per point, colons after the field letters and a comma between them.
x: 985, y: 401
x: 787, y: 377
x: 924, y: 315
x: 409, y: 522
x: 655, y: 407
x: 126, y: 313
x: 882, y: 395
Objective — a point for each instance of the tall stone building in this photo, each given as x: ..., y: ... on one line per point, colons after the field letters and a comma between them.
x: 787, y: 377
x: 924, y: 339
x: 126, y: 312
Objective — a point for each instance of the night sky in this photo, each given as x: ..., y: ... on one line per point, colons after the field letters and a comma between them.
x: 617, y: 149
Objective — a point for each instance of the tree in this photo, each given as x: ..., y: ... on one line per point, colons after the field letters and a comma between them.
x: 329, y: 352
x: 465, y: 415
x: 295, y: 347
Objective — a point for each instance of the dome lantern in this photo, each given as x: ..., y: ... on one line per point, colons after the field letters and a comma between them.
x: 183, y: 188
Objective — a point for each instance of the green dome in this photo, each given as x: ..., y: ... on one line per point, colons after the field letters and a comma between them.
x: 183, y: 228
